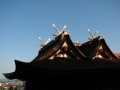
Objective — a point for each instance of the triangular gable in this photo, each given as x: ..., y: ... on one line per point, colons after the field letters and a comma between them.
x: 54, y: 48
x: 93, y: 49
x: 90, y: 47
x: 105, y: 52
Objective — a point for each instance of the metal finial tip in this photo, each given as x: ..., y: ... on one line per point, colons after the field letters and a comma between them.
x: 53, y: 25
x: 88, y: 30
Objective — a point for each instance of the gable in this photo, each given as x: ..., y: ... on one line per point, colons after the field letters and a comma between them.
x: 98, y: 49
x: 106, y: 52
x: 89, y: 48
x: 64, y: 53
x: 61, y: 48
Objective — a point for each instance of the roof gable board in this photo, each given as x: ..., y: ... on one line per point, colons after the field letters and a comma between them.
x: 91, y: 49
x: 54, y: 47
x: 107, y: 51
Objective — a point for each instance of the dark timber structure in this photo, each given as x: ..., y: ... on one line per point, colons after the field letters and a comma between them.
x: 62, y: 64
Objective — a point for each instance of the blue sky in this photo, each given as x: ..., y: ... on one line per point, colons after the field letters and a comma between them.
x: 23, y: 21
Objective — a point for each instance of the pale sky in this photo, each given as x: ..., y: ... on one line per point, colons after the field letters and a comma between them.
x: 23, y: 21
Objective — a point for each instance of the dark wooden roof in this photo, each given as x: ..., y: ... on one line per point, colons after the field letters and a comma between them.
x: 61, y: 54
x: 92, y: 48
x: 52, y: 47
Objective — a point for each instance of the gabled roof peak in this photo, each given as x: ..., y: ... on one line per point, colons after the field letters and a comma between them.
x: 101, y: 37
x: 65, y: 32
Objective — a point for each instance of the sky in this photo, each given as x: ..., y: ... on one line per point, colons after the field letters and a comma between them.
x: 23, y: 21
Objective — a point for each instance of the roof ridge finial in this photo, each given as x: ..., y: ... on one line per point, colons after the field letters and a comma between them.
x: 43, y: 43
x: 92, y: 35
x: 58, y: 30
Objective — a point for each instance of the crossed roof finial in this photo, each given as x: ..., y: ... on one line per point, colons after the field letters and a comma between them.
x: 43, y: 43
x: 59, y: 31
x: 92, y: 35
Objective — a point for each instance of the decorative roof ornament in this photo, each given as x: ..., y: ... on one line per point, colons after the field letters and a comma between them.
x: 43, y: 43
x: 77, y: 43
x: 92, y: 35
x: 58, y: 30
